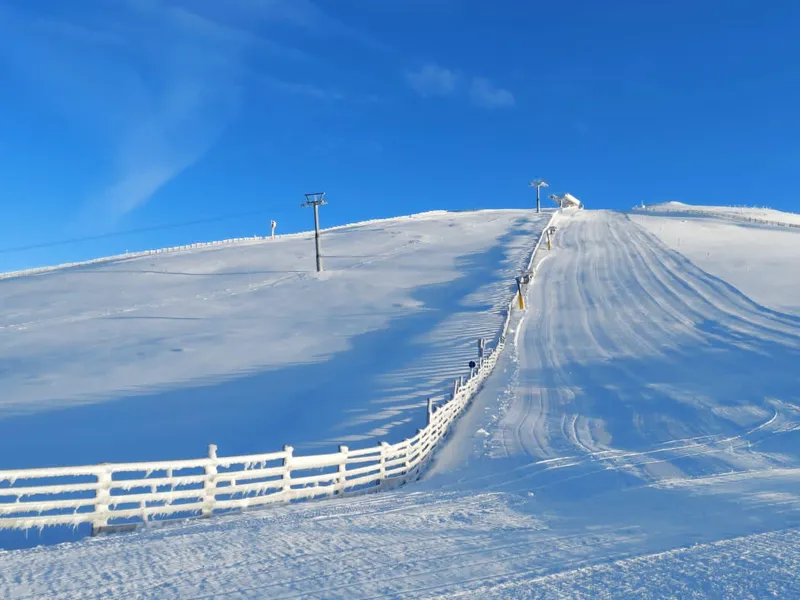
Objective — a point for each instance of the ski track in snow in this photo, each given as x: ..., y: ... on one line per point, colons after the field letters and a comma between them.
x: 633, y: 273
x: 644, y: 441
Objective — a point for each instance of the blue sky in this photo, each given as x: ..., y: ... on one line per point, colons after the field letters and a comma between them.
x: 124, y: 115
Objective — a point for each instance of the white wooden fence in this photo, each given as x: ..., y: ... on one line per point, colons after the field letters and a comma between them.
x: 127, y: 495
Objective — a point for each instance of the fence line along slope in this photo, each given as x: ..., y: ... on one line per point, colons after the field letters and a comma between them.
x: 119, y: 497
x: 745, y: 214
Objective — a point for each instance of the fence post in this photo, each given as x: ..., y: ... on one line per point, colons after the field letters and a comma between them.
x: 102, y: 499
x: 455, y: 388
x: 210, y: 483
x: 287, y: 470
x: 384, y: 450
x: 430, y: 410
x: 342, y: 480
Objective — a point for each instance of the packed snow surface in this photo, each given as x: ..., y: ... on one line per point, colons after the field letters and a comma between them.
x: 639, y: 438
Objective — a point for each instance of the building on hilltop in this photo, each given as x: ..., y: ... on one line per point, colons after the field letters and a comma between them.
x: 566, y: 201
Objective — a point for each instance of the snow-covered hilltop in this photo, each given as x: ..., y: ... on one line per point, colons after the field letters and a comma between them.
x: 743, y: 213
x: 640, y: 436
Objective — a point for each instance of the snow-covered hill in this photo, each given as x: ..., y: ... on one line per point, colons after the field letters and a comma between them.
x: 639, y: 438
x: 245, y: 346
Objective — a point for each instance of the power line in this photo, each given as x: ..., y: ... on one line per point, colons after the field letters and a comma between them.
x: 103, y: 236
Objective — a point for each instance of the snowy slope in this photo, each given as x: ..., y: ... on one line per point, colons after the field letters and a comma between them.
x: 154, y: 357
x: 761, y: 262
x: 640, y: 439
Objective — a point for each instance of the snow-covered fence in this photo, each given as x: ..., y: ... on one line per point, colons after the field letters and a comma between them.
x: 530, y: 269
x: 129, y: 255
x: 127, y: 495
x: 720, y: 215
x: 112, y: 496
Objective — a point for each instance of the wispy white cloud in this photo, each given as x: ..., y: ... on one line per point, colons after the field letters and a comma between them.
x: 77, y: 33
x: 433, y: 80
x: 156, y: 81
x: 307, y: 90
x: 484, y: 94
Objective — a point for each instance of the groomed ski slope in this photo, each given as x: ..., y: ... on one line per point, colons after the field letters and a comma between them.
x: 640, y: 439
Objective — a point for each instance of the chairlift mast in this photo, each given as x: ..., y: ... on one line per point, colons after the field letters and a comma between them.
x: 316, y: 200
x: 538, y: 183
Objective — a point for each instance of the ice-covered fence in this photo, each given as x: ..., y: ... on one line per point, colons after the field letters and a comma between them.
x: 720, y: 215
x: 129, y: 255
x: 119, y: 495
x: 126, y: 495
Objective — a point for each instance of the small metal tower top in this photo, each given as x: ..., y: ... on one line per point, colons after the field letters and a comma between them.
x: 538, y: 184
x: 317, y: 198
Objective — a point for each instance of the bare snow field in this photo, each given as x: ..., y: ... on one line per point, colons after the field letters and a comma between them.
x: 640, y: 438
x: 761, y: 262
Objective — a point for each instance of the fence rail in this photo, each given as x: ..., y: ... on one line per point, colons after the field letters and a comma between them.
x: 126, y: 495
x: 708, y: 213
x: 128, y: 256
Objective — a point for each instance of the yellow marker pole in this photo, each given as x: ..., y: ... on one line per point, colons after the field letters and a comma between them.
x: 521, y: 302
x: 549, y: 247
x: 520, y: 297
